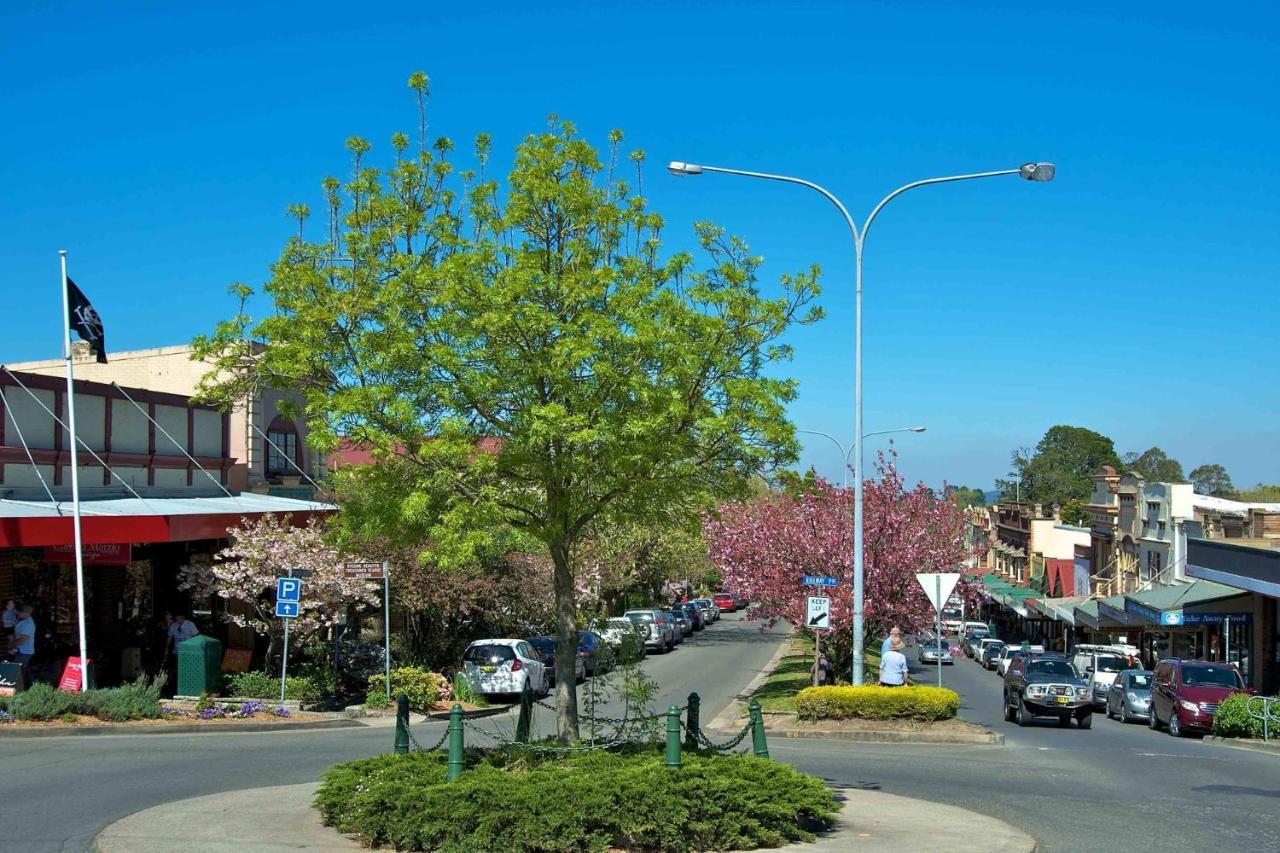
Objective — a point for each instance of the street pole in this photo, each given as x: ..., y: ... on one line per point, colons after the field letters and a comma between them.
x: 1030, y: 171
x: 386, y: 621
x: 284, y: 658
x: 937, y: 596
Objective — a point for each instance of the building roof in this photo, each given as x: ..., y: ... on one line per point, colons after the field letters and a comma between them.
x: 1182, y: 595
x: 1213, y: 504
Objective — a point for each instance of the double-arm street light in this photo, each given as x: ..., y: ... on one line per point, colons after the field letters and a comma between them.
x: 1039, y: 172
x: 844, y: 454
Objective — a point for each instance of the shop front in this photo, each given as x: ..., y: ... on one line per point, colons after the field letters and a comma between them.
x: 1202, y: 620
x: 1255, y: 572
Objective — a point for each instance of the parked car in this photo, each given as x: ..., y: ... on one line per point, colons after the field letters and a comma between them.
x: 546, y: 649
x: 710, y: 612
x: 694, y: 612
x: 1130, y: 695
x: 1046, y: 685
x: 1186, y: 693
x: 972, y: 637
x: 935, y: 650
x: 1099, y: 666
x: 1010, y: 652
x: 977, y: 626
x: 595, y: 653
x: 659, y: 630
x: 504, y: 667
x: 683, y: 624
x: 725, y: 601
x: 988, y: 651
x: 626, y: 638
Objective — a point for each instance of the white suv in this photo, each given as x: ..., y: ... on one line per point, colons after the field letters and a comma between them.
x: 659, y: 630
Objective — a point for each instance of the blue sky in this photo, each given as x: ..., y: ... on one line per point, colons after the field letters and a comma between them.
x: 1135, y: 295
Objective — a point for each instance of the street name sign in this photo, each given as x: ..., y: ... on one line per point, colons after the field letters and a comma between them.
x: 819, y: 580
x: 938, y: 586
x: 819, y: 612
x: 363, y: 571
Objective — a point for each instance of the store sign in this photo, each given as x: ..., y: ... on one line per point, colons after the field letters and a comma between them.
x: 363, y: 571
x: 72, y: 676
x: 1171, y: 618
x: 11, y: 678
x: 1215, y: 618
x: 94, y: 555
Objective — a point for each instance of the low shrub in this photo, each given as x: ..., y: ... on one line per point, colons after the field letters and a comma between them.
x: 423, y: 687
x: 264, y: 685
x: 1232, y: 718
x: 872, y: 702
x: 591, y: 801
x: 137, y: 701
x: 43, y: 702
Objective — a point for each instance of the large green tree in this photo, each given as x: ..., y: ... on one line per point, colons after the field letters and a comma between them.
x: 964, y: 496
x: 1212, y: 480
x: 1061, y: 467
x: 526, y: 347
x: 1154, y: 466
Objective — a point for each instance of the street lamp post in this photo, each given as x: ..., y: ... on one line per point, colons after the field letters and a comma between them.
x: 844, y: 454
x: 1039, y: 172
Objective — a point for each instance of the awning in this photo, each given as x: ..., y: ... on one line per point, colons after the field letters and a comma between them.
x: 1184, y: 604
x: 1240, y: 566
x: 1086, y: 613
x: 1112, y: 613
x: 33, y: 524
x: 1063, y: 609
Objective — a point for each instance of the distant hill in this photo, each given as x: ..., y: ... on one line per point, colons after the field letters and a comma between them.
x: 992, y: 496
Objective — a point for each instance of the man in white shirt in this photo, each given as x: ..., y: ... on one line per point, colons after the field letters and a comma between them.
x: 893, y: 666
x: 181, y: 629
x: 23, y: 645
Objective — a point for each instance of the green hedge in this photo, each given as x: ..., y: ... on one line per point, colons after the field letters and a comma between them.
x: 872, y: 702
x: 423, y: 687
x: 1232, y: 718
x: 591, y: 801
x: 264, y: 685
x: 42, y: 702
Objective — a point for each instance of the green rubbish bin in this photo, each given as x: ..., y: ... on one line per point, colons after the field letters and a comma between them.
x: 199, y: 662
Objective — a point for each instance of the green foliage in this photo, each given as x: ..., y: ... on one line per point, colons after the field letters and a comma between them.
x: 1061, y: 467
x: 1076, y: 512
x: 1154, y: 466
x: 1212, y: 480
x: 964, y: 496
x: 377, y: 700
x: 872, y: 702
x: 42, y: 702
x: 463, y: 692
x: 1232, y: 718
x: 422, y: 686
x: 1261, y: 493
x: 587, y: 802
x: 264, y: 685
x: 137, y: 701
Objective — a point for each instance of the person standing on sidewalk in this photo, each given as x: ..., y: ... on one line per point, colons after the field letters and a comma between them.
x: 893, y: 665
x: 23, y: 645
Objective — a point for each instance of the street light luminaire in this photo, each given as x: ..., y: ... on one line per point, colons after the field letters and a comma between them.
x: 680, y: 170
x: 1042, y: 172
x: 917, y: 429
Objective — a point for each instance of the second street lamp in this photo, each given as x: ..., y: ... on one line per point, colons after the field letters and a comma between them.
x: 1036, y: 172
x: 844, y: 454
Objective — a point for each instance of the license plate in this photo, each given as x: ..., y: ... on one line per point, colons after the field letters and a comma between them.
x: 488, y: 669
x: 1062, y: 700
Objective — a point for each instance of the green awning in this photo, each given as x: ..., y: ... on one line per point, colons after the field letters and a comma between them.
x: 1164, y: 605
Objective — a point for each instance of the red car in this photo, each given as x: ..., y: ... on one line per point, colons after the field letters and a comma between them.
x: 1186, y: 693
x: 725, y: 601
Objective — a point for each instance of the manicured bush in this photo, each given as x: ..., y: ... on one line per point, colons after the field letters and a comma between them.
x: 516, y: 801
x: 872, y: 702
x: 264, y: 685
x: 423, y: 687
x: 1232, y: 718
x: 42, y: 702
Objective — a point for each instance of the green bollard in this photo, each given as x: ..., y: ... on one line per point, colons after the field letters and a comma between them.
x: 673, y: 736
x: 455, y: 744
x: 526, y: 711
x: 758, y: 744
x: 691, y: 722
x: 402, y: 725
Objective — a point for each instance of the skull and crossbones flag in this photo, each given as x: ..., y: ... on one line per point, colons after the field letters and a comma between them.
x: 85, y: 321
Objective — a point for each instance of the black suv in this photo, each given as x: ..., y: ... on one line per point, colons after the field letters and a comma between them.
x: 1046, y: 685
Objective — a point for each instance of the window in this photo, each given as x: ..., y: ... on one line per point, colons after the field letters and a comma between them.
x: 1153, y: 564
x: 278, y: 460
x: 1153, y: 507
x: 1160, y: 528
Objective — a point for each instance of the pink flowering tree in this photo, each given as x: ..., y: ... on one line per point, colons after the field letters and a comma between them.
x: 764, y: 546
x: 265, y: 549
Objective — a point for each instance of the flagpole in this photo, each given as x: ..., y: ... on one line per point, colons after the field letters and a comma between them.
x: 75, y: 477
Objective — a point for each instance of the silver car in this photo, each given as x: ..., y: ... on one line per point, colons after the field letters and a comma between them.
x: 932, y: 651
x: 658, y: 630
x: 1129, y: 697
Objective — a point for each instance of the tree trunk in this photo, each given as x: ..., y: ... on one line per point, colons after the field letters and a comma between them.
x: 566, y: 644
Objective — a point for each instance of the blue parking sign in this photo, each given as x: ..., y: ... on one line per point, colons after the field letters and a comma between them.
x: 287, y: 609
x: 288, y: 589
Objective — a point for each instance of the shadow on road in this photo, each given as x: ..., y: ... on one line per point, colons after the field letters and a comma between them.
x: 1240, y: 790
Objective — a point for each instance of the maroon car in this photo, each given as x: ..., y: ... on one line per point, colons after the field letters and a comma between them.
x: 1186, y: 693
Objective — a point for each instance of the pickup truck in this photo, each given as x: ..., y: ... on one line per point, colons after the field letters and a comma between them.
x: 1046, y: 685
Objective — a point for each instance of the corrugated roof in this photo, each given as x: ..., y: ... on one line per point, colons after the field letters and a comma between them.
x: 246, y: 502
x: 1182, y: 595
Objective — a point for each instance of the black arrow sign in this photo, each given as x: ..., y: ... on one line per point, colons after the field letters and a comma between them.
x: 821, y: 617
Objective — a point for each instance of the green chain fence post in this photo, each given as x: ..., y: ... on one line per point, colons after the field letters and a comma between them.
x: 526, y: 711
x: 402, y: 725
x: 691, y: 722
x: 455, y: 744
x: 673, y: 736
x: 758, y: 744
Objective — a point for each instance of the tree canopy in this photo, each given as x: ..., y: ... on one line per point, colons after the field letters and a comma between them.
x: 964, y: 496
x: 524, y: 347
x: 1212, y: 480
x: 1060, y: 468
x: 1154, y: 466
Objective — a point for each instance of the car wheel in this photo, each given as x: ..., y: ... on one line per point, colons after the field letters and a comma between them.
x: 1024, y: 714
x: 1124, y: 713
x: 1008, y: 709
x: 1175, y: 727
x: 1086, y: 722
x: 1153, y: 720
x: 1064, y: 720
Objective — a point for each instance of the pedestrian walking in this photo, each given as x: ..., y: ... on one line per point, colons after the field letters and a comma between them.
x: 893, y: 665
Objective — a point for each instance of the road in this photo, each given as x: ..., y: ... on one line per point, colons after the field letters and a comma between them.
x: 1113, y: 787
x: 59, y: 792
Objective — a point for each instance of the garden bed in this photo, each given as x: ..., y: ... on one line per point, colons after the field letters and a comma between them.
x: 590, y: 801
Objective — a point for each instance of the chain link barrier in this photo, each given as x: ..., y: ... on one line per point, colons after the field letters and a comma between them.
x: 413, y: 741
x: 707, y: 743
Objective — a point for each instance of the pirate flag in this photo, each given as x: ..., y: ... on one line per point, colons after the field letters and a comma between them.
x: 85, y: 321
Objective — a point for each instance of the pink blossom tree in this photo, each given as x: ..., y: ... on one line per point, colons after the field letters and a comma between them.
x: 264, y: 550
x: 764, y: 546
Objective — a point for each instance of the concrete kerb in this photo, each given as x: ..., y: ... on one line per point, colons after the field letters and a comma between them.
x: 1272, y: 746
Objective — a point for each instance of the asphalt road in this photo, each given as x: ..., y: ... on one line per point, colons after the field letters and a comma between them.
x: 58, y: 793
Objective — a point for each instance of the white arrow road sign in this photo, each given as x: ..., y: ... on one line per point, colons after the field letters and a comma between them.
x: 938, y: 586
x: 819, y: 615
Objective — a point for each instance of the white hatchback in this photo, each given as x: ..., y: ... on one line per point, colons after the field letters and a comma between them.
x: 503, y: 667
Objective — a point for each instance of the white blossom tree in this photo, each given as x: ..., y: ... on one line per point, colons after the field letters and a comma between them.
x: 264, y: 550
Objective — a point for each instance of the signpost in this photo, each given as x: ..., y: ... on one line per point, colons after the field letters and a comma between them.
x: 288, y: 602
x: 817, y: 619
x: 373, y: 571
x: 938, y: 586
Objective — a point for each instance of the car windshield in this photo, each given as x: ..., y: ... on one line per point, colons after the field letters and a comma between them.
x: 1050, y: 667
x: 1110, y: 663
x: 646, y: 618
x: 1140, y: 680
x: 1210, y: 676
x: 489, y: 654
